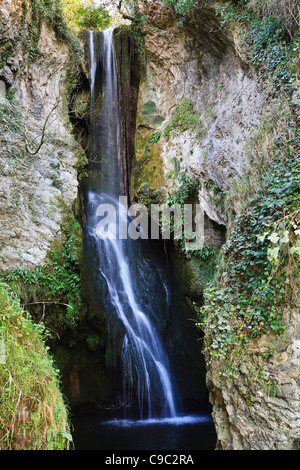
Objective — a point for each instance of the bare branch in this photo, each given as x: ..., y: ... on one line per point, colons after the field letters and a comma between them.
x: 125, y: 15
x: 27, y: 143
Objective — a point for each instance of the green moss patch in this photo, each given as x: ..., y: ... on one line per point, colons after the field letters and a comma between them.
x: 33, y: 414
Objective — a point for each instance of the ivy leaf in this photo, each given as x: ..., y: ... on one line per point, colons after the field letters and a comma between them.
x: 273, y: 253
x: 274, y: 237
x: 262, y: 237
x: 295, y: 250
x: 285, y: 238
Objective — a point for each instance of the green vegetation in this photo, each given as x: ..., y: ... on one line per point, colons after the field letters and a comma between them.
x: 182, y: 192
x: 148, y: 108
x: 33, y: 14
x: 181, y: 7
x: 184, y: 184
x: 82, y: 16
x: 56, y: 285
x: 33, y: 414
x: 155, y: 138
x: 184, y: 118
x: 146, y: 196
x: 10, y: 116
x: 271, y: 34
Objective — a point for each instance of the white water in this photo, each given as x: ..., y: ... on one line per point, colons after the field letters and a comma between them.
x: 145, y: 363
x: 175, y: 421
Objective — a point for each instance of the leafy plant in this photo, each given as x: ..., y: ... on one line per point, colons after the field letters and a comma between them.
x: 33, y: 414
x: 155, y: 138
x: 184, y: 118
x: 57, y: 282
x: 92, y: 17
x: 271, y: 37
x: 182, y: 7
x: 260, y: 263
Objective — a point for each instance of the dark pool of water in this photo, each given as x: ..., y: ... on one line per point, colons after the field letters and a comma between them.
x: 189, y: 432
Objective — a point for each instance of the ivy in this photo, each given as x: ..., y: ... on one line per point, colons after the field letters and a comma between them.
x: 182, y: 7
x: 259, y: 268
x: 7, y: 52
x: 273, y: 41
x: 155, y: 138
x: 34, y: 12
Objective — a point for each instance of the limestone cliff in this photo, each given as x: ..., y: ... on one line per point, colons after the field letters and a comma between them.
x: 199, y: 64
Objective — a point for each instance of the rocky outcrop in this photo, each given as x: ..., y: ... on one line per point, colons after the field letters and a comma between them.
x: 39, y: 154
x: 198, y: 63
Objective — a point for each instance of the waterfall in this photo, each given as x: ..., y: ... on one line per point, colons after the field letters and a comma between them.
x: 145, y: 365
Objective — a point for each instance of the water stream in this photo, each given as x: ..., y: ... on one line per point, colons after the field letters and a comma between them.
x: 146, y: 367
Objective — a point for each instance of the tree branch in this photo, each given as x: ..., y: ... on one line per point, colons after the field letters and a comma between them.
x: 27, y: 143
x: 125, y: 15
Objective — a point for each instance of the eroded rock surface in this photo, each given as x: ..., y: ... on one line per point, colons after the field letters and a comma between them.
x: 35, y: 187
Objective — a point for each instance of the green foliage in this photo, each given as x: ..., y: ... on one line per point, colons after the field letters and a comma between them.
x: 182, y: 7
x: 157, y: 120
x: 92, y: 17
x: 10, y: 116
x: 185, y: 186
x: 155, y: 138
x: 138, y: 21
x: 33, y: 415
x: 260, y: 266
x: 205, y: 253
x: 273, y: 41
x: 34, y: 13
x: 182, y: 192
x: 271, y: 47
x: 12, y: 46
x: 148, y: 108
x: 57, y: 282
x: 146, y: 196
x: 258, y: 271
x: 184, y: 118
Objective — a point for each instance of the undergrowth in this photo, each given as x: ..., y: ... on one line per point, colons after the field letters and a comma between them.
x: 56, y: 285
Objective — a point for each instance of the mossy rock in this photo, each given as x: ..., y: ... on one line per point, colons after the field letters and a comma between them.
x: 148, y: 164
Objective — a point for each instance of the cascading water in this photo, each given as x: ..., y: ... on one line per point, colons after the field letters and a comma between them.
x: 145, y: 364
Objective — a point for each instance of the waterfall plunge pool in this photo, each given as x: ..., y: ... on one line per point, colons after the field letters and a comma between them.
x: 128, y: 297
x: 93, y: 431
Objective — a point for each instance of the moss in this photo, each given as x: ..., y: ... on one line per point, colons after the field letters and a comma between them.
x: 148, y: 164
x: 55, y: 287
x: 148, y: 108
x: 157, y: 120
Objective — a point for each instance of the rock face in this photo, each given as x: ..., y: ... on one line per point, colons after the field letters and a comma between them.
x: 259, y: 409
x: 35, y: 185
x: 195, y: 63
